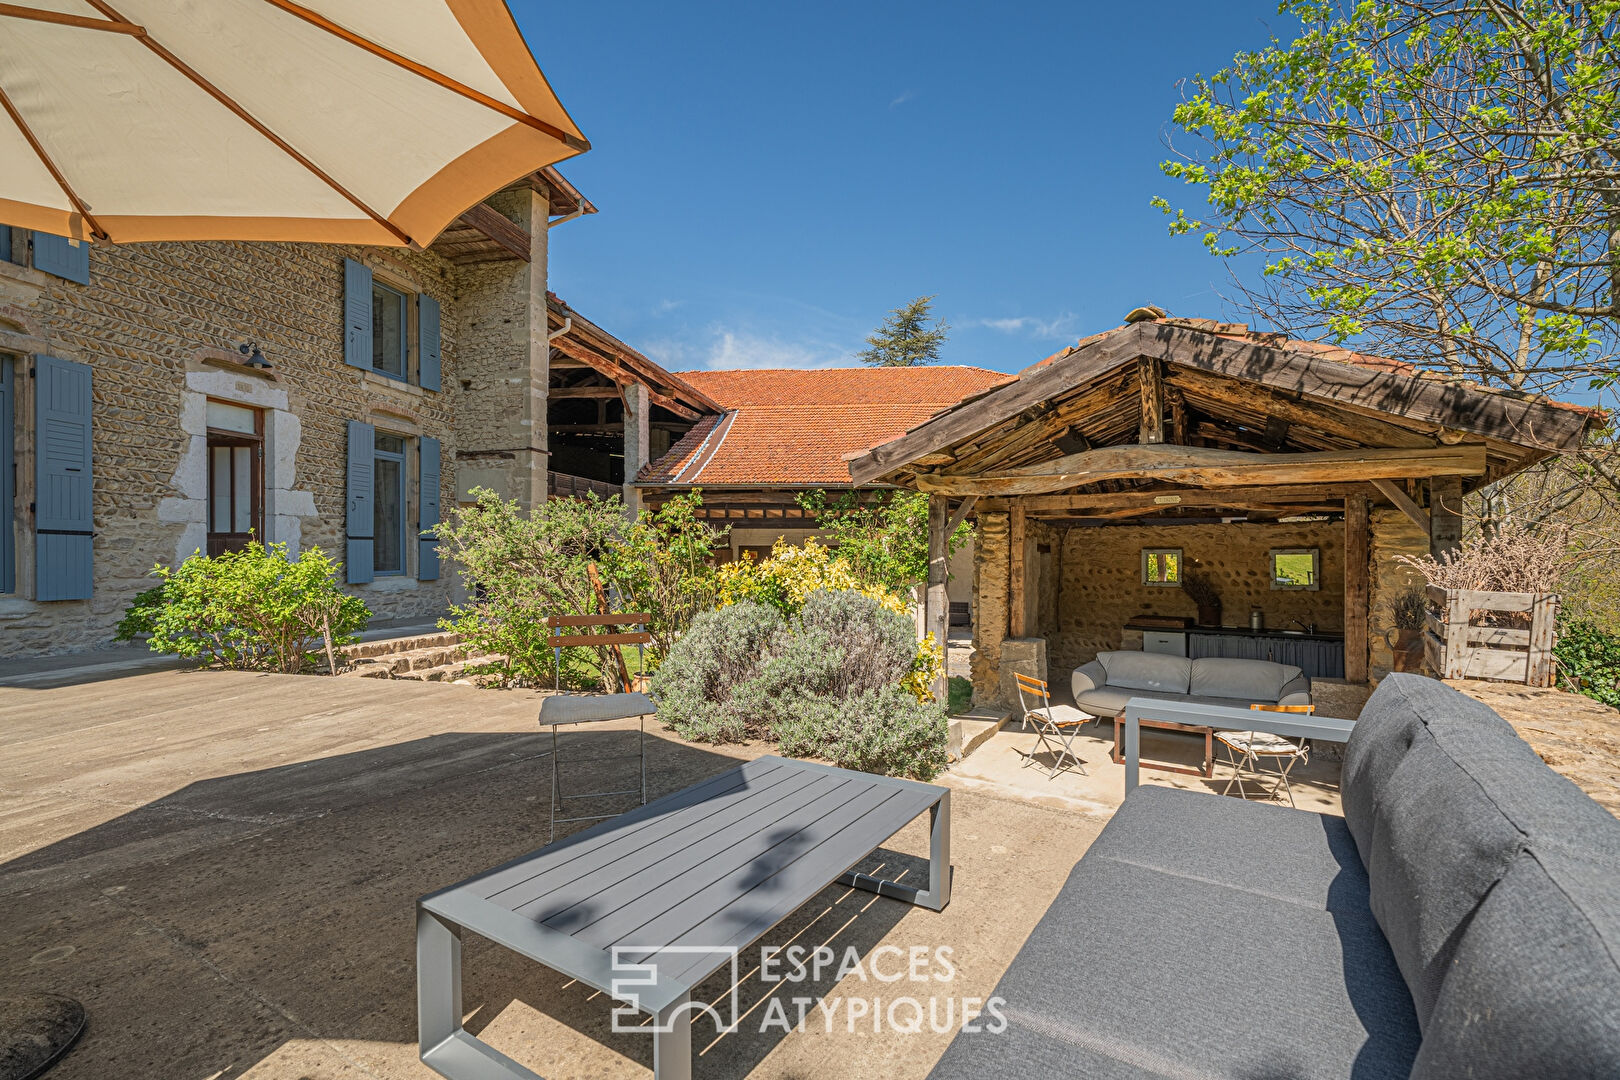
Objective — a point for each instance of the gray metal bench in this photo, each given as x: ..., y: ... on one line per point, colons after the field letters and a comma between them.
x: 646, y: 906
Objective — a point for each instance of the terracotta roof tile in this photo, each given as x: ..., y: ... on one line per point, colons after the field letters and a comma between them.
x: 794, y: 427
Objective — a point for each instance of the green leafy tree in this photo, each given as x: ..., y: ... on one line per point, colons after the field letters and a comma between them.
x: 1435, y: 181
x: 906, y: 338
x: 884, y: 542
x: 521, y: 568
x: 664, y: 567
x: 255, y: 609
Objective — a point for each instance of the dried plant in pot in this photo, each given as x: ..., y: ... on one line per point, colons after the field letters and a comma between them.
x: 1405, y: 638
x: 1201, y: 590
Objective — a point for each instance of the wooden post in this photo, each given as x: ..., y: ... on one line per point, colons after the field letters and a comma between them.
x: 1357, y: 594
x: 1150, y: 375
x: 936, y: 602
x: 1016, y: 623
x: 1445, y: 515
x: 1457, y: 650
x: 1543, y: 619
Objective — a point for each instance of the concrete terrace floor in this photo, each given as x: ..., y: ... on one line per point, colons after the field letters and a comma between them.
x: 222, y: 867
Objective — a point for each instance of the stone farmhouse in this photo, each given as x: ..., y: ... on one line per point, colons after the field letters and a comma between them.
x: 160, y: 399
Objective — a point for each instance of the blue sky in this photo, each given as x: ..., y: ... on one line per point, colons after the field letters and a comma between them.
x: 774, y: 177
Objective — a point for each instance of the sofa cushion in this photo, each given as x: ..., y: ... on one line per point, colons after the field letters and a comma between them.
x: 1534, y: 989
x: 1156, y: 672
x: 1274, y: 851
x: 1442, y: 798
x: 1255, y: 680
x: 1136, y: 972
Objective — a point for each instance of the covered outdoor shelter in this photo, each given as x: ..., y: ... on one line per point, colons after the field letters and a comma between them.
x: 1286, y: 476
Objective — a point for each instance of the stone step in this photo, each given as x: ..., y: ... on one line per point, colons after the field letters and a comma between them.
x: 450, y: 672
x: 394, y: 646
x: 395, y: 665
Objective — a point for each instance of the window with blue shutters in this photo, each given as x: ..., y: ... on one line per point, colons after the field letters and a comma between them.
x: 63, y: 520
x: 8, y: 496
x: 389, y: 329
x: 65, y: 258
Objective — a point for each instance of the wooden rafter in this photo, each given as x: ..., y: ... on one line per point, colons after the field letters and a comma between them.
x: 1203, y: 467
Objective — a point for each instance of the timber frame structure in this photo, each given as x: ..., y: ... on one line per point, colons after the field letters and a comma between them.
x: 1167, y: 420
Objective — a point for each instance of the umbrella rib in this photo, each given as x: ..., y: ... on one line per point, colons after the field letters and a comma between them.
x: 62, y: 18
x: 437, y: 77
x: 50, y: 166
x: 246, y: 117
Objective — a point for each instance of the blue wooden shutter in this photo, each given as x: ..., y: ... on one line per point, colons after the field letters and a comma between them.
x: 427, y: 332
x: 63, y: 523
x: 362, y: 515
x: 69, y: 259
x: 5, y: 243
x: 8, y: 524
x: 356, y: 316
x: 427, y: 555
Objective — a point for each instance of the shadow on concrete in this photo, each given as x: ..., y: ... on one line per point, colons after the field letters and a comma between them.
x: 266, y: 918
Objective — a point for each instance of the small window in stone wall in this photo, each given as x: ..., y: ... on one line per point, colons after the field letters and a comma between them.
x: 1296, y: 568
x: 1161, y: 566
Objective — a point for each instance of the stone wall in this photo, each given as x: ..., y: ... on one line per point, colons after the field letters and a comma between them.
x: 154, y: 323
x: 1393, y: 534
x: 505, y: 369
x: 1101, y: 583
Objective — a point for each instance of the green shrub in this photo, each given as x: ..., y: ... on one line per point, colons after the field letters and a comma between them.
x: 708, y: 688
x: 255, y: 609
x: 1589, y: 660
x: 829, y: 683
x: 521, y: 568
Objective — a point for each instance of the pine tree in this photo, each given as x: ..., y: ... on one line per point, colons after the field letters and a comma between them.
x: 906, y: 339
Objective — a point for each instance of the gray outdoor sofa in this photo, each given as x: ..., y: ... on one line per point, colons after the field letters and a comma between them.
x: 1461, y: 920
x: 1102, y: 687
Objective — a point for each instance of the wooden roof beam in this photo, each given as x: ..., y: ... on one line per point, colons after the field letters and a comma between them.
x: 1203, y: 467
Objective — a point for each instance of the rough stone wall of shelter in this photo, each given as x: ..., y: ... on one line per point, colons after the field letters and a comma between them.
x: 152, y: 323
x: 990, y: 550
x: 1393, y: 534
x: 1101, y: 584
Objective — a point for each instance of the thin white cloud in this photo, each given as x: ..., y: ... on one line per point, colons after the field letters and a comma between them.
x: 903, y: 97
x: 664, y: 307
x: 733, y: 349
x: 1062, y: 326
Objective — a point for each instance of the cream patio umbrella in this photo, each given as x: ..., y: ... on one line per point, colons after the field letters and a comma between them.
x: 335, y: 121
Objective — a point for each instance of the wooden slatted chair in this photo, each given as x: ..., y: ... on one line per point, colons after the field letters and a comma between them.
x: 1249, y: 751
x: 1056, y: 726
x: 561, y: 709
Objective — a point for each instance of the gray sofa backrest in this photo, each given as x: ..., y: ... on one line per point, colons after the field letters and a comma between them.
x: 1256, y: 680
x: 1496, y: 882
x: 1157, y: 672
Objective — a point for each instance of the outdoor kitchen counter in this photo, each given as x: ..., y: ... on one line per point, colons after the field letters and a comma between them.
x: 1320, y: 655
x: 1240, y: 631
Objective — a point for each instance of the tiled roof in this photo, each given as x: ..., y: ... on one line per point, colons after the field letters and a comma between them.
x: 794, y: 427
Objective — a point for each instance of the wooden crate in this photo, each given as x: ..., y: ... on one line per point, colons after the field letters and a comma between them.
x: 1456, y: 647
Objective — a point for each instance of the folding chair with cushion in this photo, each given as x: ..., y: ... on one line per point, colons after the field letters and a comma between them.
x: 1253, y: 751
x: 1055, y: 725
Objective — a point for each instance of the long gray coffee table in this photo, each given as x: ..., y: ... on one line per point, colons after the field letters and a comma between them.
x: 646, y: 906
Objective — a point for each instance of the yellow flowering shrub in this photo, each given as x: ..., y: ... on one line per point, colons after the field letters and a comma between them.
x: 786, y: 579
x: 791, y: 574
